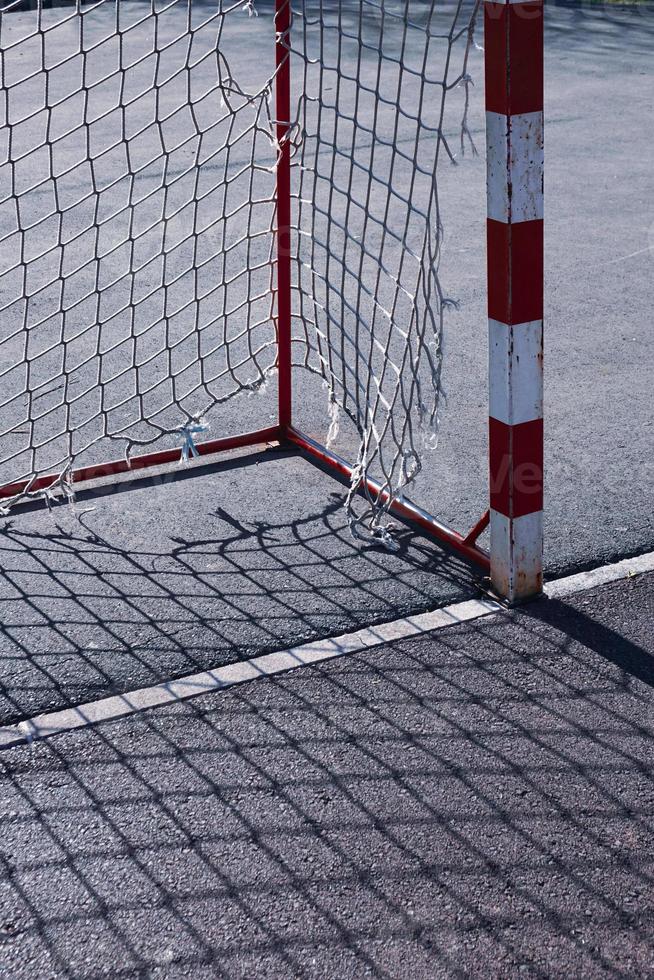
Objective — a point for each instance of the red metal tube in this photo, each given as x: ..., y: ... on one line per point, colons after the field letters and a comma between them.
x: 400, y: 506
x: 283, y: 121
x: 479, y: 527
x: 144, y: 461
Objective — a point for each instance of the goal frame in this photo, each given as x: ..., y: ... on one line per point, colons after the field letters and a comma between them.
x: 513, y: 46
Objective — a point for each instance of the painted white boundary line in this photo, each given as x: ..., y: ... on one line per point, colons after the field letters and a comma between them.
x: 600, y: 576
x: 269, y: 664
x: 266, y: 665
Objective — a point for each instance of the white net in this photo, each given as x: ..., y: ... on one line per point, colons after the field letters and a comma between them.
x: 137, y: 217
x: 373, y: 81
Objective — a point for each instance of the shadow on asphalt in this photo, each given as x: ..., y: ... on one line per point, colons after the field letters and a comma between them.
x: 631, y: 658
x: 187, y: 573
x: 600, y: 26
x: 478, y: 802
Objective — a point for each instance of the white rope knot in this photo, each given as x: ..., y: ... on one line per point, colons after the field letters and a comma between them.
x: 191, y: 429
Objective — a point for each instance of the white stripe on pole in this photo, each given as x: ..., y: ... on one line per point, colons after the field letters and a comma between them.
x: 517, y: 552
x: 515, y: 369
x: 515, y: 160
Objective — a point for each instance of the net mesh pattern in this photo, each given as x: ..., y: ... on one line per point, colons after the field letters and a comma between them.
x: 138, y: 161
x: 374, y: 83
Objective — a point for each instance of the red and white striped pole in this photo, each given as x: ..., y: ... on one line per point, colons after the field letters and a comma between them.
x: 514, y: 136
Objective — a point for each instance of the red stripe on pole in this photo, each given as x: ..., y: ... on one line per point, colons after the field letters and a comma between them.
x: 283, y: 116
x: 515, y: 271
x: 516, y: 467
x: 514, y: 31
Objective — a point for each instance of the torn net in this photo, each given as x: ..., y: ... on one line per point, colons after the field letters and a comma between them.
x: 373, y: 81
x: 137, y: 216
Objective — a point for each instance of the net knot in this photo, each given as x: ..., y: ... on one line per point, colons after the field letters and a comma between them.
x: 191, y: 429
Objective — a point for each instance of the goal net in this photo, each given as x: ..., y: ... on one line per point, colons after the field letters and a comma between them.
x: 144, y: 151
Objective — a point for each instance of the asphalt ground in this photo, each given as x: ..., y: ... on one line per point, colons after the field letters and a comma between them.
x: 192, y: 572
x: 476, y: 803
x: 182, y: 574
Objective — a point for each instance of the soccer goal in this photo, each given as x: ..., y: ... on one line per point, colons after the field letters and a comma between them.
x: 205, y: 201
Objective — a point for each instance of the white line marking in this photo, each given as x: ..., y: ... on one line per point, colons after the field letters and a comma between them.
x: 269, y: 664
x: 626, y: 568
x: 632, y: 255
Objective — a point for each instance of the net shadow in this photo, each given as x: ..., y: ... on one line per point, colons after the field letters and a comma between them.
x: 161, y: 578
x: 474, y: 803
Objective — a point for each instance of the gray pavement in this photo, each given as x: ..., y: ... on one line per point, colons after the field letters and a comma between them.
x: 477, y: 803
x: 192, y: 572
x: 179, y: 575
